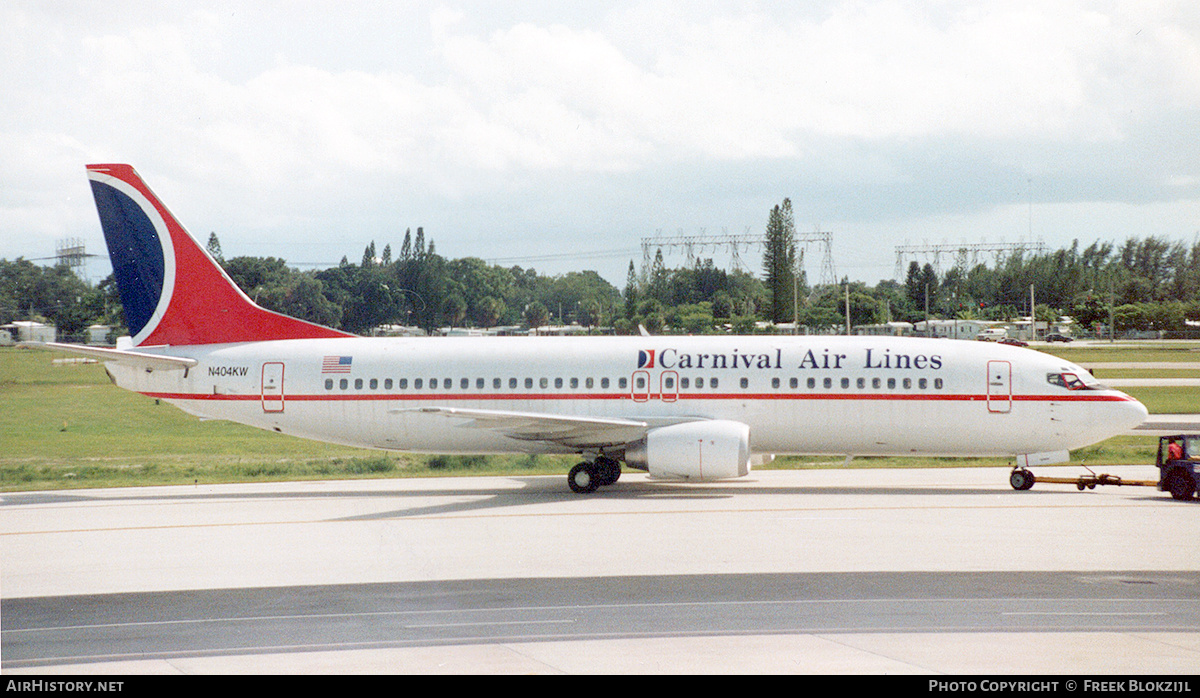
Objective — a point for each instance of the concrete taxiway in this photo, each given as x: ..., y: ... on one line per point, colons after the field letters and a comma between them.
x: 847, y: 570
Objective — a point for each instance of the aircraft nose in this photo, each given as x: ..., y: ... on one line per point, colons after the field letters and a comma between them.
x: 1132, y: 411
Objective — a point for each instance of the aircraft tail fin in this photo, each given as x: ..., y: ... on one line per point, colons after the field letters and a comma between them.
x: 172, y: 290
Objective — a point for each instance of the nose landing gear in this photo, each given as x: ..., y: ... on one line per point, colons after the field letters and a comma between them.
x: 1021, y: 479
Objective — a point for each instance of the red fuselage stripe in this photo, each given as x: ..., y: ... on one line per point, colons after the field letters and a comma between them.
x: 656, y: 397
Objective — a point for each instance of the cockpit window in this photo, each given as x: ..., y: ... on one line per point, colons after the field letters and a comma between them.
x: 1070, y: 381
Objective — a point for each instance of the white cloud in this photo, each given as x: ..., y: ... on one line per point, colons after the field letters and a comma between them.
x: 731, y: 86
x: 756, y: 85
x: 865, y: 108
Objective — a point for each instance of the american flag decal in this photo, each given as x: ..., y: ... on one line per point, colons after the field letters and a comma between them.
x: 336, y: 364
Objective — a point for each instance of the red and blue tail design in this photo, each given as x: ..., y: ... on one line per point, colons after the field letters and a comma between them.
x: 173, y: 292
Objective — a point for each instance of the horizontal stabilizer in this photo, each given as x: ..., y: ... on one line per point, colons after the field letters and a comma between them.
x: 137, y: 359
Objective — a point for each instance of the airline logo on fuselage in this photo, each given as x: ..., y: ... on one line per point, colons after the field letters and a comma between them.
x: 814, y: 359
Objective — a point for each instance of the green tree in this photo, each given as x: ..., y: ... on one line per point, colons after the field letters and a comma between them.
x: 536, y: 315
x: 214, y: 248
x: 454, y: 308
x: 302, y: 296
x: 591, y: 312
x: 779, y: 261
x: 722, y: 305
x: 659, y: 277
x: 406, y: 249
x: 913, y: 287
x: 864, y: 310
x: 631, y: 291
x: 254, y: 275
x: 490, y: 310
x: 54, y: 294
x: 929, y: 287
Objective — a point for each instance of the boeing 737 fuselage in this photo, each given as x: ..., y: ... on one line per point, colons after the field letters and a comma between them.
x: 695, y: 408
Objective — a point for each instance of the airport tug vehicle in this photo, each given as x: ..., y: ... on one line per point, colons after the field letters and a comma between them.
x: 1176, y: 461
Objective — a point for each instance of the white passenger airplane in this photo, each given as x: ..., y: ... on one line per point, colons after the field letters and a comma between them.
x: 694, y: 408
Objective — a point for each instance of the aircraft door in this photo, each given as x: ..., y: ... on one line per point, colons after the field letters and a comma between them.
x: 639, y: 386
x: 999, y: 387
x: 669, y: 386
x: 272, y: 387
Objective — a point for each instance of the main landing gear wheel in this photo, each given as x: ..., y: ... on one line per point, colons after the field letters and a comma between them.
x: 588, y: 477
x: 583, y: 478
x: 1021, y: 479
x: 608, y: 471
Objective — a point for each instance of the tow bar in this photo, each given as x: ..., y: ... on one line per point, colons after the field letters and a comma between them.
x: 1022, y: 479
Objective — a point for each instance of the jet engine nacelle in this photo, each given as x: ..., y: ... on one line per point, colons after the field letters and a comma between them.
x: 703, y: 450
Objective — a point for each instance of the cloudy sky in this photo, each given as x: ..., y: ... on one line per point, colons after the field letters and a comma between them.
x: 555, y: 136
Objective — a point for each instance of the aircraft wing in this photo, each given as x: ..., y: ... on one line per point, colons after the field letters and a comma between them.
x: 137, y: 359
x: 569, y: 431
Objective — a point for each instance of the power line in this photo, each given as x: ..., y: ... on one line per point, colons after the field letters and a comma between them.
x: 965, y: 254
x: 735, y: 244
x: 555, y: 256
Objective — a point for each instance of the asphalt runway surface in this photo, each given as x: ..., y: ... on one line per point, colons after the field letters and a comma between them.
x: 922, y: 571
